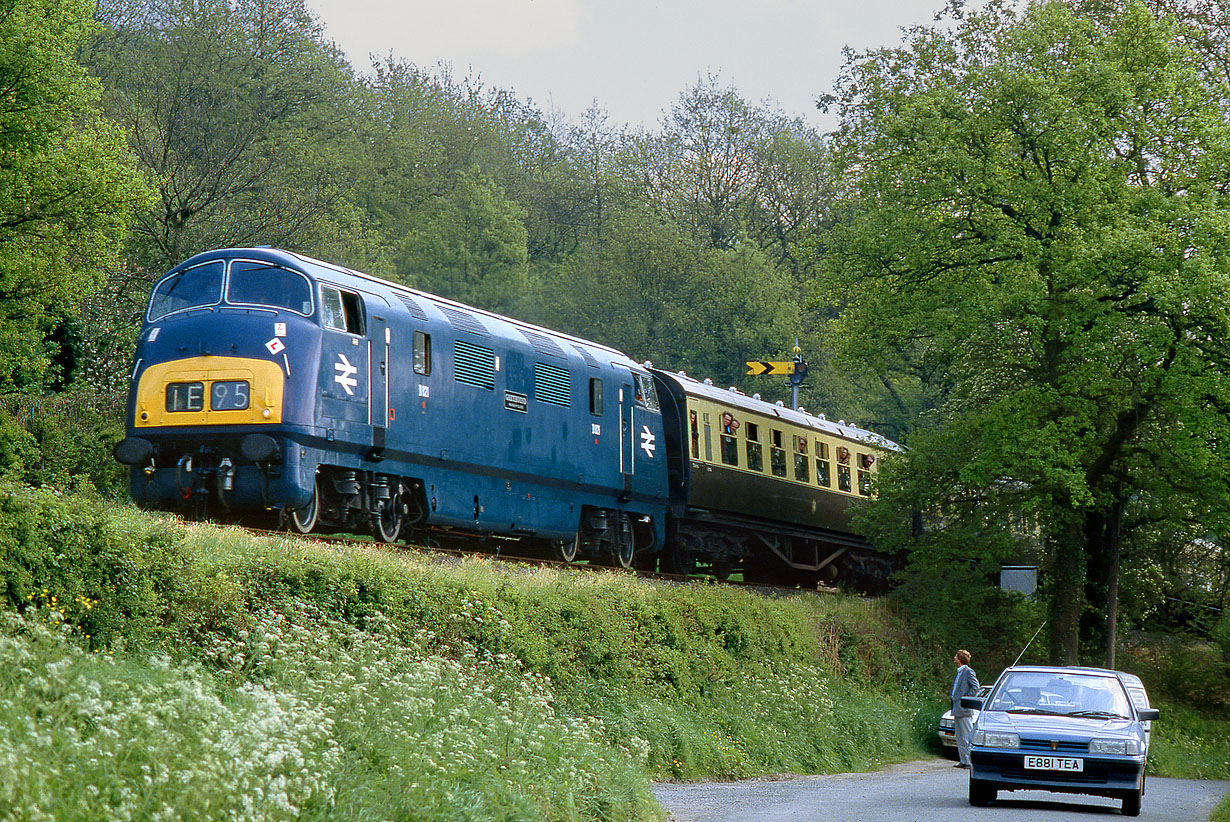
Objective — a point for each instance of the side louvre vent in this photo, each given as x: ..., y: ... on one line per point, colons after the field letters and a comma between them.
x: 474, y: 364
x: 552, y: 384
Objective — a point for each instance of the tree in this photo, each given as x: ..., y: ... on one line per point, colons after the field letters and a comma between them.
x: 68, y: 183
x: 651, y: 289
x: 1038, y: 207
x: 469, y: 245
x: 241, y: 112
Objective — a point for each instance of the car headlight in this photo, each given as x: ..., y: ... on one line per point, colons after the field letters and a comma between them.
x: 990, y: 739
x: 1124, y: 747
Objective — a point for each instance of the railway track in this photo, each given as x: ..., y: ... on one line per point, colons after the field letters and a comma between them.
x: 500, y: 555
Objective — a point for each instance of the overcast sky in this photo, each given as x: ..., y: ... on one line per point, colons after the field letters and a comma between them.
x: 633, y: 57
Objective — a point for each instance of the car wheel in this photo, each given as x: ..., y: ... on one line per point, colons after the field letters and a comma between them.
x: 981, y: 792
x: 1131, y: 802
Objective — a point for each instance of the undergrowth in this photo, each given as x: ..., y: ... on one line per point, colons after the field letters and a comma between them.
x: 284, y: 679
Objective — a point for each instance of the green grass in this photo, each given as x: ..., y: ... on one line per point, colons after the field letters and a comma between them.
x: 285, y: 679
x: 1222, y: 812
x: 1189, y: 744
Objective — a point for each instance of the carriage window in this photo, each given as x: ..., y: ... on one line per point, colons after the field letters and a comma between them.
x: 708, y: 440
x: 777, y: 455
x: 755, y: 459
x: 730, y: 440
x: 695, y: 435
x: 254, y: 283
x: 198, y: 286
x: 843, y: 477
x: 422, y: 353
x: 341, y: 310
x: 595, y: 400
x: 823, y: 475
x: 864, y: 473
x: 801, y: 462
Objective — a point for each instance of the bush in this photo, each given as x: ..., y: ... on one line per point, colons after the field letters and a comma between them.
x: 391, y: 683
x: 64, y: 441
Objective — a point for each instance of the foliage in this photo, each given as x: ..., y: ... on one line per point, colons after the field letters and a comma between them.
x: 1190, y: 743
x: 1035, y: 228
x: 69, y: 183
x: 234, y: 108
x: 516, y: 693
x: 468, y: 245
x: 1222, y: 812
x: 64, y: 441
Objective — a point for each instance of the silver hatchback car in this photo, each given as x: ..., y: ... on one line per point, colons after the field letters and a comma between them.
x: 1071, y: 730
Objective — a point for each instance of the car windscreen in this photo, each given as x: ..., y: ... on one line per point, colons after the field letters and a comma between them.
x: 264, y: 284
x: 195, y: 287
x: 1063, y: 694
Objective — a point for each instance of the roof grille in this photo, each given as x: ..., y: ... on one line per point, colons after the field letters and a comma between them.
x: 585, y: 355
x: 463, y: 321
x: 413, y: 307
x: 544, y: 345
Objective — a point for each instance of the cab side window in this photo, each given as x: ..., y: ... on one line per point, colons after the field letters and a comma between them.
x: 341, y: 310
x: 422, y: 353
x: 595, y: 397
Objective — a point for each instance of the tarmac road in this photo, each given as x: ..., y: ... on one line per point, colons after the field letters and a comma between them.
x: 924, y: 791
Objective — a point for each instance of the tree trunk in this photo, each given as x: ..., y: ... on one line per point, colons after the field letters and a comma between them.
x: 1067, y: 595
x: 1112, y: 586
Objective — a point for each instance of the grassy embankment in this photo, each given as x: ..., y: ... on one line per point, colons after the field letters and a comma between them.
x: 154, y: 669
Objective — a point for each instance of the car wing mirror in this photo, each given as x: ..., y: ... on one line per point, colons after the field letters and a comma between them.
x: 973, y: 702
x: 1143, y: 714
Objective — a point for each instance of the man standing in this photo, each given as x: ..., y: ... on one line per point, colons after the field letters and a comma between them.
x: 965, y: 684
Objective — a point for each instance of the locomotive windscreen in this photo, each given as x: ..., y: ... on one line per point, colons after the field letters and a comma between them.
x: 197, y: 286
x: 263, y: 284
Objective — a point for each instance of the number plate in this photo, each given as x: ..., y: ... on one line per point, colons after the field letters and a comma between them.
x: 1054, y: 763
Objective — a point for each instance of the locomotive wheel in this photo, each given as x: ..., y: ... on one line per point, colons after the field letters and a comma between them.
x: 623, y: 551
x: 386, y: 525
x: 566, y: 550
x: 303, y: 520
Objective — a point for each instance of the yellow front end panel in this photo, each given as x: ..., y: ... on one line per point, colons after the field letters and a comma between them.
x: 265, y: 381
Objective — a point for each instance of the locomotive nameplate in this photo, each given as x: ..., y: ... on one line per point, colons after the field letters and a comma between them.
x: 516, y: 402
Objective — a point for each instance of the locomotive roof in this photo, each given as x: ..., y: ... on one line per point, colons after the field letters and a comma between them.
x: 292, y: 258
x: 737, y: 399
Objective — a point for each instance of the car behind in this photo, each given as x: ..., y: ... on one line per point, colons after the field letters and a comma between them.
x: 1069, y: 730
x: 947, y: 732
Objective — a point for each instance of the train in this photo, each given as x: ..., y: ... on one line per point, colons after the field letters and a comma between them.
x: 271, y: 388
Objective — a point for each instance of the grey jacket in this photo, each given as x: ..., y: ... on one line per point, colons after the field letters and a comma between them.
x: 965, y: 684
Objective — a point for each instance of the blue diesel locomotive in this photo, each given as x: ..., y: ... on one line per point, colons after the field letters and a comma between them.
x: 271, y: 385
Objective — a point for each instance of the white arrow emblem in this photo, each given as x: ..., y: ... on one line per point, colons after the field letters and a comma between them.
x: 648, y: 441
x: 345, y: 374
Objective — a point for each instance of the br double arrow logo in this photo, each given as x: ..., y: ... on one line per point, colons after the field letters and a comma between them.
x: 345, y: 374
